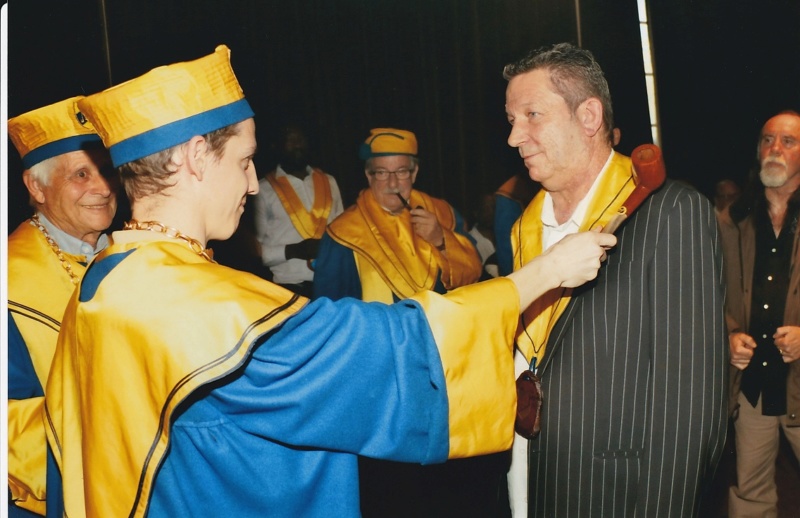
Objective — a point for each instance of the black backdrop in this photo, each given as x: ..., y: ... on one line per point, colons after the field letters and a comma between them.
x: 431, y: 66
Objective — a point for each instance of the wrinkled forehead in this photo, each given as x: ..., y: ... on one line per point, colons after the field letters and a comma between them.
x: 784, y: 124
x: 531, y: 88
x: 391, y: 162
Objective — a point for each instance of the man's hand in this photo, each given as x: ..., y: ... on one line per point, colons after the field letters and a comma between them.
x: 306, y: 249
x: 741, y: 346
x: 427, y: 227
x: 787, y: 340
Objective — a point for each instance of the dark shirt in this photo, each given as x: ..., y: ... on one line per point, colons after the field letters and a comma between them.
x: 766, y: 374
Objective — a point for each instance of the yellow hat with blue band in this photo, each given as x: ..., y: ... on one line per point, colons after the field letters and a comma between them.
x: 388, y: 141
x: 167, y: 106
x: 50, y: 131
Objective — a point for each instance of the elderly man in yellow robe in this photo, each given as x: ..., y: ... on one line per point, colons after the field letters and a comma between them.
x: 65, y: 174
x: 393, y: 242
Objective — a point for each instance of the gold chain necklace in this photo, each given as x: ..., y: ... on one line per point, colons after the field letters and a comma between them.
x: 54, y: 246
x: 155, y: 226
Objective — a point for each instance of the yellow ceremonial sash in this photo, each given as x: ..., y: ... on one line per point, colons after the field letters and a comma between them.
x: 39, y: 289
x: 200, y: 327
x: 526, y: 242
x: 389, y: 256
x: 308, y: 224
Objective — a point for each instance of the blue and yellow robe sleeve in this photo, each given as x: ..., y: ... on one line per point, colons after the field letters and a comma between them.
x: 25, y: 426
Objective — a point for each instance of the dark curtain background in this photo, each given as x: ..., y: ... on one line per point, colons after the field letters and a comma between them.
x: 341, y: 67
x: 724, y: 68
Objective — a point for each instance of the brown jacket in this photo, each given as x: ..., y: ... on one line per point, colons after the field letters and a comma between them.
x: 738, y: 248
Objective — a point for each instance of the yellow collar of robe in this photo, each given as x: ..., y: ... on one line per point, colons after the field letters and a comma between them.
x: 169, y: 349
x: 526, y: 240
x: 402, y: 261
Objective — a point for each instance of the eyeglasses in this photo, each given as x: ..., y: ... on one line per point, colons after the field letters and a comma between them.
x: 382, y: 174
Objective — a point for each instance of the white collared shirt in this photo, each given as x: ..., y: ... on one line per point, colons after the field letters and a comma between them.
x: 552, y: 232
x: 274, y: 228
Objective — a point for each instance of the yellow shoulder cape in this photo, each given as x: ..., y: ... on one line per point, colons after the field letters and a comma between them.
x: 389, y: 256
x: 200, y: 324
x: 38, y: 291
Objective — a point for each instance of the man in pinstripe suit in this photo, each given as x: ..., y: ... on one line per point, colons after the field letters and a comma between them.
x: 633, y: 365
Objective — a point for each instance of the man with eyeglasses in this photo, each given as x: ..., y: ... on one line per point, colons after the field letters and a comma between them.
x: 395, y: 241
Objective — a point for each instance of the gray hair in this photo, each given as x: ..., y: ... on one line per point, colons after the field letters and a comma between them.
x: 574, y: 74
x: 42, y: 171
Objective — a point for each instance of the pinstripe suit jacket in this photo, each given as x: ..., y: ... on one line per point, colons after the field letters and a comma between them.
x: 635, y: 373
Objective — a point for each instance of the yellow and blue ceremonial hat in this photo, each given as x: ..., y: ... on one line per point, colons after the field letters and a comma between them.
x: 388, y: 141
x: 167, y: 106
x: 50, y: 131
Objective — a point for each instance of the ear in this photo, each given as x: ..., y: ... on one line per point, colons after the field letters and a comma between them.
x: 196, y: 156
x: 590, y: 115
x: 35, y: 187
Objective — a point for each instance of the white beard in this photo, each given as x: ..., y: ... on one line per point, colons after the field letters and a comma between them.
x: 773, y: 173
